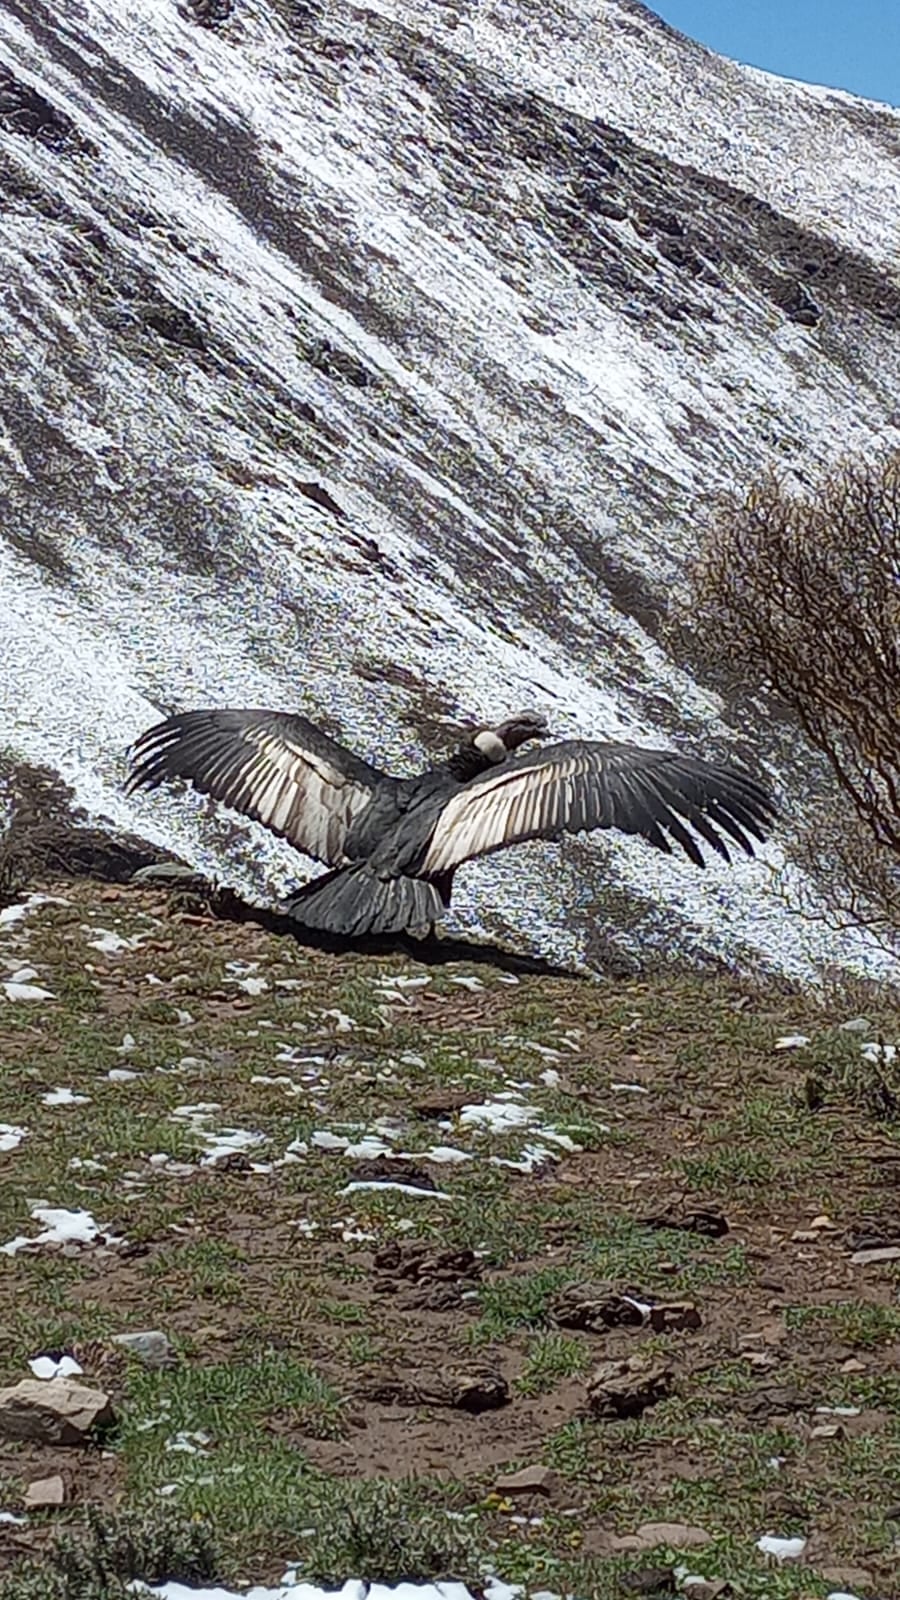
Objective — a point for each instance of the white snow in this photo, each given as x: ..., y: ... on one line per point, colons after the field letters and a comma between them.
x: 49, y: 1367
x: 11, y: 1136
x: 111, y: 943
x: 25, y: 991
x: 781, y: 1549
x: 399, y: 1188
x: 292, y: 1588
x: 11, y: 915
x: 62, y: 1227
x: 62, y: 1096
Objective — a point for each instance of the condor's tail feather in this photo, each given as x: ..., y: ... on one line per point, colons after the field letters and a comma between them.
x: 354, y: 901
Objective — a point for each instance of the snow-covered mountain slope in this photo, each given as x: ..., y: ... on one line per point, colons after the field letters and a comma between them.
x: 375, y: 359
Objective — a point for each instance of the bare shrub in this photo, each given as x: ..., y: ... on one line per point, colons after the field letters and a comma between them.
x: 802, y: 594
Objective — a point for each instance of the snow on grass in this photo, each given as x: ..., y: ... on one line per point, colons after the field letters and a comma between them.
x: 110, y: 943
x: 292, y: 1588
x: 781, y: 1549
x: 62, y: 1227
x: 62, y: 1096
x: 217, y: 1143
x: 16, y: 990
x: 49, y: 1367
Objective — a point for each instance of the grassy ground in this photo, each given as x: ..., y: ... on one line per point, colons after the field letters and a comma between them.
x: 328, y: 1340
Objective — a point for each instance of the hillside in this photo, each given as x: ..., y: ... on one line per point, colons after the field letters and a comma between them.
x: 378, y: 361
x: 451, y: 1270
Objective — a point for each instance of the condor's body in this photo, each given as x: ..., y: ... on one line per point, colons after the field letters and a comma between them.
x: 395, y: 843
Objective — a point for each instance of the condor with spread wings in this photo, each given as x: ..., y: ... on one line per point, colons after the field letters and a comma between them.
x: 393, y: 844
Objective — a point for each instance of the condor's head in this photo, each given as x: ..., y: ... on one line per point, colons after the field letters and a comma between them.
x: 500, y: 739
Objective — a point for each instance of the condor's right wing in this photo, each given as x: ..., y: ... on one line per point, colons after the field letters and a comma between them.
x: 273, y: 766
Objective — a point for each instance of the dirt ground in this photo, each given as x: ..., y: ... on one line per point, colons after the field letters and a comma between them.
x: 626, y: 1281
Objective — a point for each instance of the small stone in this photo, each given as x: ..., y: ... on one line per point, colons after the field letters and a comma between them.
x: 804, y: 1236
x: 827, y: 1430
x: 656, y: 1583
x: 678, y: 1535
x: 853, y: 1364
x: 626, y: 1388
x: 675, y: 1316
x: 852, y: 1578
x: 60, y: 1412
x: 169, y: 873
x: 153, y: 1349
x: 442, y: 1102
x: 529, y: 1480
x: 596, y: 1307
x: 824, y: 1224
x: 779, y: 1400
x: 871, y: 1258
x: 708, y: 1224
x: 477, y: 1390
x: 44, y: 1492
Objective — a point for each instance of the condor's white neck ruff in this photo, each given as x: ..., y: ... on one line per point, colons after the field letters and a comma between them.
x: 491, y: 745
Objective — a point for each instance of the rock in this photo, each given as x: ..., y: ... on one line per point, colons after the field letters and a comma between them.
x: 442, y: 1102
x: 380, y: 1169
x: 654, y: 1582
x: 44, y: 1492
x: 474, y: 1388
x: 529, y: 1480
x: 60, y: 1412
x: 697, y: 1588
x: 477, y: 1390
x: 852, y: 1578
x: 678, y: 1535
x: 627, y: 1388
x: 871, y: 1258
x: 779, y: 1400
x: 675, y: 1316
x: 168, y: 873
x: 596, y: 1307
x: 152, y: 1348
x: 709, y: 1224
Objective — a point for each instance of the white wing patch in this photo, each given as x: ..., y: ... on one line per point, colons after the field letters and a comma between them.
x: 300, y: 795
x: 504, y: 807
x: 254, y: 763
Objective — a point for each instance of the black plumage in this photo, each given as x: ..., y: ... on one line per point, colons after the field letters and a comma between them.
x: 394, y: 843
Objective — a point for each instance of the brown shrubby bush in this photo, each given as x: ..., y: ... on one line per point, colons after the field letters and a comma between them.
x: 801, y: 594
